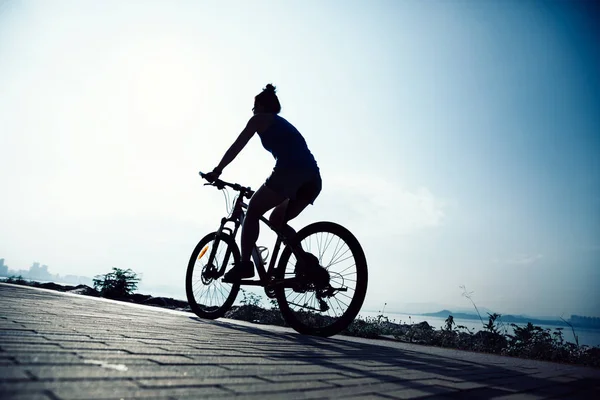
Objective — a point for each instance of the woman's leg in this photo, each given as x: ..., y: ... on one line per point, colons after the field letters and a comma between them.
x: 262, y: 201
x: 290, y: 209
x: 284, y: 212
x: 308, y: 264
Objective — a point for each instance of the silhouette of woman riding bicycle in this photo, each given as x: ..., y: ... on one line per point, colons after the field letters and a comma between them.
x: 320, y: 280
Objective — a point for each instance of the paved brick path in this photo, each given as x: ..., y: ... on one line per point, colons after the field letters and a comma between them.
x: 61, y: 346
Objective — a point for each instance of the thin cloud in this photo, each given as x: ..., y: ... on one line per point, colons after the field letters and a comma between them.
x: 388, y: 207
x: 521, y: 259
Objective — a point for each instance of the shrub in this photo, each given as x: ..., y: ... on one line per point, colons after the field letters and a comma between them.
x: 251, y: 311
x: 250, y: 299
x: 375, y: 327
x: 116, y: 284
x: 17, y: 280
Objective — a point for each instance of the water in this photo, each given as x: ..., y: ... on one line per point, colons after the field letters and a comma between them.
x: 589, y: 337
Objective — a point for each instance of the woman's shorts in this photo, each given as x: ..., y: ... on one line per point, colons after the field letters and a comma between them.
x: 304, y: 185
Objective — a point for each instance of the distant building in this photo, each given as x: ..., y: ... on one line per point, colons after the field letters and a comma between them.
x: 3, y: 268
x: 39, y: 273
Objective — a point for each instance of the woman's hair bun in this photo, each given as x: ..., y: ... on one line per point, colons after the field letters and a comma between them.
x: 269, y: 88
x: 268, y: 99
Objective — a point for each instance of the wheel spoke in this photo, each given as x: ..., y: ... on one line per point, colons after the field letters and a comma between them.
x: 326, y: 247
x: 343, y: 282
x: 335, y: 252
x: 346, y: 269
x: 339, y: 261
x: 342, y: 294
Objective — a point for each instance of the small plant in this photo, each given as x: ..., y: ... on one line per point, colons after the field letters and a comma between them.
x: 250, y: 310
x: 274, y: 305
x: 17, y: 280
x: 491, y: 326
x: 116, y: 284
x: 469, y: 295
x: 573, y: 330
x: 250, y: 299
x: 449, y: 323
x: 382, y: 312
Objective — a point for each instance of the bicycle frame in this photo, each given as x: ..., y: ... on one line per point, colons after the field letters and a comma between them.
x: 237, y: 217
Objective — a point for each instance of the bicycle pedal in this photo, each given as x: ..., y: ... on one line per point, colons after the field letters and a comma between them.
x: 323, y: 305
x: 327, y: 292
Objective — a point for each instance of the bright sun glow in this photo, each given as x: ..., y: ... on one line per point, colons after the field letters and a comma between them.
x: 168, y: 82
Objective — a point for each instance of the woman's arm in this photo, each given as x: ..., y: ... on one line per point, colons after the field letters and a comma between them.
x: 256, y: 123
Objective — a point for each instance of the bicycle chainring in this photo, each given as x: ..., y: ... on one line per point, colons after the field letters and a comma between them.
x: 270, y: 287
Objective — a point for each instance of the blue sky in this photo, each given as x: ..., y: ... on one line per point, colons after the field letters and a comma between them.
x: 458, y: 140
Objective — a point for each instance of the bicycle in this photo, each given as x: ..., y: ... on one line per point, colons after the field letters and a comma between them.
x: 309, y: 305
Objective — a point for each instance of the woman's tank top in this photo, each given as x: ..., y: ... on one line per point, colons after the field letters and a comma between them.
x: 287, y: 146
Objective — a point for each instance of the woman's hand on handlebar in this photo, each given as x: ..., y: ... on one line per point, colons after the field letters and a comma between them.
x: 213, y: 178
x: 212, y: 175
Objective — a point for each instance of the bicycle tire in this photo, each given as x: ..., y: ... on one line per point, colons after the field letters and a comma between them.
x: 306, y: 322
x: 211, y: 311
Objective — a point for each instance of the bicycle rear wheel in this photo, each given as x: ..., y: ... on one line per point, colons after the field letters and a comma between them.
x: 324, y: 312
x: 208, y: 296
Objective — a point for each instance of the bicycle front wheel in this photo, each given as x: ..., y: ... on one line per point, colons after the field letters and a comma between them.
x: 317, y: 311
x: 208, y: 296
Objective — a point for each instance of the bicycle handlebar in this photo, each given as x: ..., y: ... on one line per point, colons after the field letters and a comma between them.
x: 221, y: 184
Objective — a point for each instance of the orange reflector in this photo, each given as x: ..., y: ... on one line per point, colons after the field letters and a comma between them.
x: 203, y: 252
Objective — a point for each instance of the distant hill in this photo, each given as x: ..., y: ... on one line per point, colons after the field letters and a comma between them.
x: 458, y: 315
x: 517, y: 319
x: 520, y: 319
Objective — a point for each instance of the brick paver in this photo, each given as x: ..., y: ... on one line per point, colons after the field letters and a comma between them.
x: 62, y: 346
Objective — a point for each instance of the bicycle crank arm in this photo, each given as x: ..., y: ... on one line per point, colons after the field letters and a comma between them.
x: 288, y: 283
x: 324, y: 306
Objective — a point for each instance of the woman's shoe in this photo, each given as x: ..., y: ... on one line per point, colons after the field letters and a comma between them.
x: 239, y: 271
x: 310, y: 269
